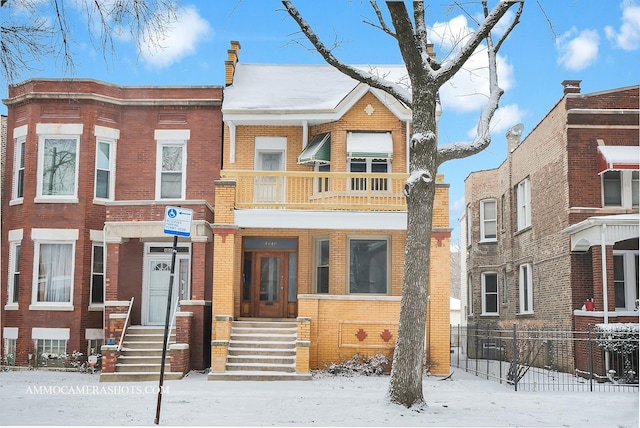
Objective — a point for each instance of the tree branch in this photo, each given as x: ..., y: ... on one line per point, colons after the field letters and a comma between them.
x: 516, y: 21
x: 362, y: 76
x: 451, y: 67
x: 383, y: 25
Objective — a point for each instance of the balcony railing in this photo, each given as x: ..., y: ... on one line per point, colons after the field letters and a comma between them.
x: 318, y: 190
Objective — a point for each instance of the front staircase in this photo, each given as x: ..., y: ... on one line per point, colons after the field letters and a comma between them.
x: 261, y: 350
x: 141, y: 356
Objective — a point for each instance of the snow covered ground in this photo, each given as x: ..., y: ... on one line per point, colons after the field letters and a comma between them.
x: 71, y: 398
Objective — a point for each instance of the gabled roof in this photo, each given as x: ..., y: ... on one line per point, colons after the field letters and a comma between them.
x: 275, y: 93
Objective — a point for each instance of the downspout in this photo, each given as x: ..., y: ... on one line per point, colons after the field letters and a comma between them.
x: 603, y: 249
x: 305, y: 134
x: 232, y: 141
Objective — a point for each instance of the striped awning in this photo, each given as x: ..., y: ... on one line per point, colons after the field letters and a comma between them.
x: 618, y: 158
x: 377, y: 145
x: 318, y: 150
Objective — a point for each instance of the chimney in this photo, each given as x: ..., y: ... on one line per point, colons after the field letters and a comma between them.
x: 233, y: 56
x: 571, y: 86
x: 430, y: 51
x: 513, y: 136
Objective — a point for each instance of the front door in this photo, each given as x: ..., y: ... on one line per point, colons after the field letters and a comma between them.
x: 270, y: 285
x: 158, y: 277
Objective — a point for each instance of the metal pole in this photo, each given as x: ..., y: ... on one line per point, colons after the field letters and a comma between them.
x: 515, y: 358
x: 166, y: 329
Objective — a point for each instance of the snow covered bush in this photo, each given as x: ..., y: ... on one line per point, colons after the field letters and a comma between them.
x: 620, y: 338
x: 360, y: 365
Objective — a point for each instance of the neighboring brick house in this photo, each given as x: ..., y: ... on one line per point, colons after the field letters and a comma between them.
x: 535, y: 224
x: 90, y: 169
x: 310, y: 220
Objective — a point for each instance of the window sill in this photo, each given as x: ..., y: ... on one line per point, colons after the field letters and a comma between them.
x: 490, y: 314
x: 18, y: 201
x: 523, y: 230
x: 11, y: 307
x: 45, y: 200
x: 45, y: 307
x: 96, y: 308
x: 488, y: 241
x: 524, y: 314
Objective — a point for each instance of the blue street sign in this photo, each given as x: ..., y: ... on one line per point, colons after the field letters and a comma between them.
x: 177, y: 221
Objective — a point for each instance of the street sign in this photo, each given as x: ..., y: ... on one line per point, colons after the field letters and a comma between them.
x: 177, y: 221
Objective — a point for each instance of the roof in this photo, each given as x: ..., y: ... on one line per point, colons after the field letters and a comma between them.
x: 302, y: 89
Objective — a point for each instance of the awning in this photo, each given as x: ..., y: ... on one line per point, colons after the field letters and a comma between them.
x: 318, y: 150
x: 377, y: 145
x: 618, y: 158
x: 589, y: 232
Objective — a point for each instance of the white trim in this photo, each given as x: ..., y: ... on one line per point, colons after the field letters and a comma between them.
x: 59, y: 128
x: 50, y: 333
x: 104, y: 132
x: 483, y: 220
x: 54, y: 234
x: 20, y: 131
x: 171, y: 134
x: 94, y: 333
x: 484, y: 293
x: 10, y: 332
x: 232, y: 141
x: 96, y: 235
x: 16, y: 235
x: 17, y: 160
x: 271, y: 143
x: 160, y: 144
x: 111, y: 169
x: 521, y: 294
x: 337, y: 220
x: 387, y: 239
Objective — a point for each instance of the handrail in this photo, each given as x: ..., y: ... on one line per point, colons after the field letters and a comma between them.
x: 126, y: 322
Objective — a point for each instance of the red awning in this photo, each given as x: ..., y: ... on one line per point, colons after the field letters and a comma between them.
x: 618, y: 158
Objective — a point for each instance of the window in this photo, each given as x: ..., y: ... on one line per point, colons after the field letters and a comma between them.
x: 9, y: 357
x: 58, y: 148
x: 55, y: 272
x: 489, y: 293
x: 368, y: 265
x: 18, y: 180
x: 97, y: 275
x: 53, y: 267
x: 14, y: 279
x: 371, y: 166
x: 620, y: 189
x: 322, y: 265
x: 104, y: 166
x: 524, y: 203
x: 625, y: 279
x: 469, y: 295
x: 526, y: 289
x: 50, y: 352
x: 171, y: 163
x: 488, y: 220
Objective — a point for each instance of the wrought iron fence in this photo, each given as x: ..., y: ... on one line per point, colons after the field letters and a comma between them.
x: 548, y: 359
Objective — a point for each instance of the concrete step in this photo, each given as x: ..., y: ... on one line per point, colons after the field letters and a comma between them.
x: 258, y: 376
x: 127, y: 352
x: 138, y: 376
x: 259, y: 359
x: 264, y: 324
x: 142, y: 368
x: 274, y: 352
x: 263, y: 330
x: 287, y: 368
x: 136, y: 359
x: 136, y: 337
x: 260, y: 337
x: 257, y: 344
x: 143, y: 345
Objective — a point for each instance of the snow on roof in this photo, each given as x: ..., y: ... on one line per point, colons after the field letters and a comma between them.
x: 295, y: 88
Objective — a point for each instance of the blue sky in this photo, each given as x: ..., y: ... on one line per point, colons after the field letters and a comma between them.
x: 591, y: 40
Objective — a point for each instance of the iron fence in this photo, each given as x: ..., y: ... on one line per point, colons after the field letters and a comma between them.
x: 548, y: 359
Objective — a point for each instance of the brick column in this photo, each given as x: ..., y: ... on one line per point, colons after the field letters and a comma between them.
x: 110, y: 356
x: 438, y: 305
x: 302, y: 344
x: 180, y: 360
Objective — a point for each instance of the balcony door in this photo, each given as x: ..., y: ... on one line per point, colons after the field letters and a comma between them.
x: 270, y: 188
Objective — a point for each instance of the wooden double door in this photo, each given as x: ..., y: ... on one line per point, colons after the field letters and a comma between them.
x: 269, y: 284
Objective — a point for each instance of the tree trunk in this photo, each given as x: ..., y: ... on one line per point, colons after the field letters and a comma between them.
x: 408, y: 360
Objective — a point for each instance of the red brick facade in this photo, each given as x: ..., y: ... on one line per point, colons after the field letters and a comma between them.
x: 128, y: 223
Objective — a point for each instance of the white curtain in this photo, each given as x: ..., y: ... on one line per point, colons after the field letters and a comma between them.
x: 55, y: 276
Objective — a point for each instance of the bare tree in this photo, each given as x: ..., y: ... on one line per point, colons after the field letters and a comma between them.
x: 427, y: 76
x: 31, y: 30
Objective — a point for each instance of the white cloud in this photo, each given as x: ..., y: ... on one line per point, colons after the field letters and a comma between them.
x: 628, y: 37
x: 577, y: 50
x: 179, y: 42
x: 468, y: 90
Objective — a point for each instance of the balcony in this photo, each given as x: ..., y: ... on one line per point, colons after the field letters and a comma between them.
x: 341, y: 191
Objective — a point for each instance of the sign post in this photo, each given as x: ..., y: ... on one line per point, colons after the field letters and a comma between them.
x: 177, y: 222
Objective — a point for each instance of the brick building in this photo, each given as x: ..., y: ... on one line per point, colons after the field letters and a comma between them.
x: 90, y: 167
x: 557, y: 213
x: 310, y: 220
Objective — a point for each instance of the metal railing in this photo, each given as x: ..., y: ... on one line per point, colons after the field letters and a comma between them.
x: 319, y: 190
x: 126, y: 324
x: 545, y: 359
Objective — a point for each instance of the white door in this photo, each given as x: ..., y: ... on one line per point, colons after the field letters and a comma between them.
x: 270, y: 188
x: 158, y: 277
